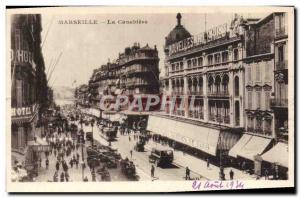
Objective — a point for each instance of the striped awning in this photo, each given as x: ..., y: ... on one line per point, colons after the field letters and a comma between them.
x: 278, y: 154
x: 202, y: 138
x: 39, y: 145
x: 228, y: 140
x: 250, y: 146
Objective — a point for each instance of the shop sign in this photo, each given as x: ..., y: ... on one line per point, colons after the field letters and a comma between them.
x: 22, y: 111
x: 200, y: 39
x: 21, y: 56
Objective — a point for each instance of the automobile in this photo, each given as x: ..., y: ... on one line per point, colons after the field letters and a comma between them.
x: 140, y: 146
x: 89, y: 136
x: 161, y: 157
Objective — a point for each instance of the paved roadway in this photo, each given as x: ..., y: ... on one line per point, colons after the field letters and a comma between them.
x: 140, y: 159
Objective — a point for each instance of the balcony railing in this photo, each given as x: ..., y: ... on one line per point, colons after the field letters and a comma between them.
x: 218, y: 94
x: 281, y: 65
x: 176, y: 93
x: 196, y: 93
x: 196, y: 114
x: 219, y: 118
x: 135, y: 57
x: 279, y: 102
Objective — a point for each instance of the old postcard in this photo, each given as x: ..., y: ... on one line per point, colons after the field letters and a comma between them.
x: 149, y: 99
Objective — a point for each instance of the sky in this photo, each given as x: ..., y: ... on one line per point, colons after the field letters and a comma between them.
x: 86, y: 47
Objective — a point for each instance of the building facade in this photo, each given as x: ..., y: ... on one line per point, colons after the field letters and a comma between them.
x: 235, y: 76
x: 27, y: 87
x: 279, y: 103
x: 134, y: 72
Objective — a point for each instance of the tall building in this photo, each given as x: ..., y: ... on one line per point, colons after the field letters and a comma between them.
x: 135, y: 72
x: 279, y: 103
x: 209, y: 68
x: 28, y: 85
x: 235, y: 76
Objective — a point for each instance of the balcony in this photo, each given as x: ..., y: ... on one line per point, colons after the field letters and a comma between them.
x: 221, y: 94
x: 196, y: 114
x: 128, y: 59
x: 281, y: 103
x: 279, y: 33
x: 195, y: 93
x: 219, y: 118
x: 177, y: 93
x: 281, y: 65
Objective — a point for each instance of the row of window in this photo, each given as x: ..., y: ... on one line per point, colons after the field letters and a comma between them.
x: 259, y: 126
x: 256, y: 72
x: 261, y: 102
x: 221, y: 57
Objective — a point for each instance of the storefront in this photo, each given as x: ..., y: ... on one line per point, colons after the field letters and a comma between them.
x: 203, y: 138
x: 277, y: 161
x: 247, y: 151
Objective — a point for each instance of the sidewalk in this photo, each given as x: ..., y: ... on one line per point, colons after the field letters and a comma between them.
x: 75, y: 173
x: 200, y: 166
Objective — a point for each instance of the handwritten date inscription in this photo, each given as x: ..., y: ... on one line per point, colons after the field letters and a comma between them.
x: 217, y: 185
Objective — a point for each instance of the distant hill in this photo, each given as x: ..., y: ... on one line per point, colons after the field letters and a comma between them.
x: 63, y: 92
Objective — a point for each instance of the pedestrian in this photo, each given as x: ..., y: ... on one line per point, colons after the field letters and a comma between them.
x: 65, y: 166
x: 129, y: 138
x: 77, y: 155
x: 40, y: 162
x: 71, y: 163
x: 47, y: 163
x: 62, y: 177
x: 55, y: 177
x: 67, y: 176
x: 76, y: 162
x: 243, y: 166
x: 152, y: 171
x: 55, y: 152
x: 131, y: 154
x: 266, y: 174
x: 85, y: 179
x: 57, y: 166
x: 187, y: 173
x: 231, y: 174
x: 207, y: 163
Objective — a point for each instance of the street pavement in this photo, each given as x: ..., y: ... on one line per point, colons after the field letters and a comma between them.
x: 141, y: 159
x: 197, y: 166
x: 76, y: 174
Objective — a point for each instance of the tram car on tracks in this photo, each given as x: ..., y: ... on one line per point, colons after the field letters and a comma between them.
x: 109, y: 133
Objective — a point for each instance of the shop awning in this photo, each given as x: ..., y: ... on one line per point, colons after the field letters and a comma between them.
x: 278, y: 155
x: 202, y: 138
x: 239, y: 145
x: 250, y: 146
x: 228, y: 140
x: 39, y: 145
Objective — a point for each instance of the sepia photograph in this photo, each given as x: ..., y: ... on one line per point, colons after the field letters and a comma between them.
x: 142, y: 99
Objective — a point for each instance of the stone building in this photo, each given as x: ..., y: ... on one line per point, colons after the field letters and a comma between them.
x: 208, y: 67
x: 28, y: 87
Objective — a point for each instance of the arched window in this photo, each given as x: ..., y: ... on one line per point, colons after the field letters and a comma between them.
x: 235, y: 54
x: 236, y: 86
x: 194, y: 88
x: 200, y: 61
x: 225, y: 57
x: 225, y: 83
x: 211, y: 84
x: 218, y: 84
x: 190, y: 84
x: 189, y: 63
x: 200, y: 85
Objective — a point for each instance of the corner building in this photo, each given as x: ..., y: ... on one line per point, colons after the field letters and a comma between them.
x: 208, y: 66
